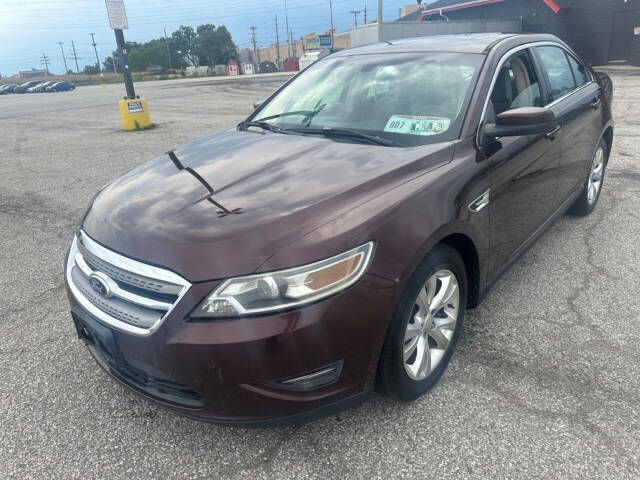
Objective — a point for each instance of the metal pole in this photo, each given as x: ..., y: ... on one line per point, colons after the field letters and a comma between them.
x: 166, y: 40
x: 45, y: 60
x: 75, y: 55
x: 64, y: 59
x: 124, y: 61
x: 355, y: 16
x: 93, y: 42
x: 277, y: 43
x: 286, y: 19
x: 331, y: 12
x: 380, y: 39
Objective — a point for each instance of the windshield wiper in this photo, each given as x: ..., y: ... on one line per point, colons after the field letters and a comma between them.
x: 263, y: 125
x: 343, y: 133
x: 263, y: 122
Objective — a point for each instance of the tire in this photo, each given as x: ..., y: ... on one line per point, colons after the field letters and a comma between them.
x: 588, y: 199
x: 402, y: 376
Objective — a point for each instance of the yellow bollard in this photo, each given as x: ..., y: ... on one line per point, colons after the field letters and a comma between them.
x: 135, y: 114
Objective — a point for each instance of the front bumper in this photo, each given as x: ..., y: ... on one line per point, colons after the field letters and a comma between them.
x: 226, y: 371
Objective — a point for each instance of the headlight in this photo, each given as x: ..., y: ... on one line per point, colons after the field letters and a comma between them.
x: 268, y: 292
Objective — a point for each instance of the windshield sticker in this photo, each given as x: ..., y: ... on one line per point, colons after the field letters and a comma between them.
x: 417, y: 125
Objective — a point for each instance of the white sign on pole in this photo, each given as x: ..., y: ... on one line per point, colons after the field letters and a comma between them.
x: 117, y: 14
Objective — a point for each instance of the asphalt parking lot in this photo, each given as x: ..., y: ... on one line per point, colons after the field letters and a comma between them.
x: 545, y: 382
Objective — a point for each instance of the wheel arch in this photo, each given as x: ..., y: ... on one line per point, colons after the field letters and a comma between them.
x: 469, y: 253
x: 608, y: 137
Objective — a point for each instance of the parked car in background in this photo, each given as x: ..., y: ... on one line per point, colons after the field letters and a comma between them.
x: 33, y: 89
x: 9, y: 88
x: 275, y: 271
x: 41, y: 87
x: 51, y: 88
x: 60, y: 87
x: 4, y: 89
x: 25, y: 86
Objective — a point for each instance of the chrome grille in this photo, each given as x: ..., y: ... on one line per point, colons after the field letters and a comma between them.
x: 129, y: 295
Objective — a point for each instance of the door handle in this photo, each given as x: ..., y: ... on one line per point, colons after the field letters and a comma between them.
x: 596, y: 103
x: 551, y: 134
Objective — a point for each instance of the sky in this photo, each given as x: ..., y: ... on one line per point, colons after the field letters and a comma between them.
x: 31, y: 28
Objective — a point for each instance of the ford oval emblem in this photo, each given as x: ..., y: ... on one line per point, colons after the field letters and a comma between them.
x: 99, y: 285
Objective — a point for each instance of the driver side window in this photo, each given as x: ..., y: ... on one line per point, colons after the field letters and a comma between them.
x: 516, y: 86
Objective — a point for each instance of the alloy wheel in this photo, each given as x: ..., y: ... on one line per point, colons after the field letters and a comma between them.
x: 432, y: 324
x: 594, y: 182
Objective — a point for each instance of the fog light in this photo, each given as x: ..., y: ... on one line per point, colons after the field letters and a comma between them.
x: 317, y: 378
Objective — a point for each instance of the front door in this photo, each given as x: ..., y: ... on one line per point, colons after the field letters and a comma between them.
x: 576, y: 102
x: 523, y: 169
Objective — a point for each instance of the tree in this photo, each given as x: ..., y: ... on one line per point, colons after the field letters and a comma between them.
x: 185, y: 40
x: 207, y: 27
x: 138, y: 60
x: 216, y: 46
x: 91, y: 69
x: 108, y: 63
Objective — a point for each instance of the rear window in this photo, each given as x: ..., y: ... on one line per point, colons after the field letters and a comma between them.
x: 579, y: 71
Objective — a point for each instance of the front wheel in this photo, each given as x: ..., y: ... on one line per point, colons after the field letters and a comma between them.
x: 425, y: 327
x: 588, y: 199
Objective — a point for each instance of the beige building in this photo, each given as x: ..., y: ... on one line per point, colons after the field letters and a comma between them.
x: 340, y: 42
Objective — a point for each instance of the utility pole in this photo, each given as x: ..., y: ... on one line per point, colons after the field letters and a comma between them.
x: 277, y: 43
x: 93, y: 42
x: 64, y: 59
x: 365, y: 15
x: 75, y: 55
x: 331, y: 13
x: 166, y: 41
x: 355, y: 16
x: 45, y: 61
x: 380, y: 20
x: 293, y: 42
x: 256, y: 54
x: 286, y: 18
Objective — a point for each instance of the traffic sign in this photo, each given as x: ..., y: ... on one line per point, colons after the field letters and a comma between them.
x: 117, y: 14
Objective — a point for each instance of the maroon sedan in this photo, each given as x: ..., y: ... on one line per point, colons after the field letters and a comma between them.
x: 279, y: 270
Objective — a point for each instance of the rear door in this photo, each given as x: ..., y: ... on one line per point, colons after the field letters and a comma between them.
x: 576, y: 101
x: 523, y: 169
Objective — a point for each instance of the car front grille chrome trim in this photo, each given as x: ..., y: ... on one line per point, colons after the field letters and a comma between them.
x: 123, y: 293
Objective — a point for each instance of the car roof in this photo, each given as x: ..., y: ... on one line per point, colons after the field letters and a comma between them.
x: 454, y: 43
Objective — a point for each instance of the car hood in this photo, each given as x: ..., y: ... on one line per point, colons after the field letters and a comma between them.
x: 222, y: 205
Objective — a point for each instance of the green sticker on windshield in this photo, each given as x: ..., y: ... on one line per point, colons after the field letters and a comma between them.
x: 417, y: 125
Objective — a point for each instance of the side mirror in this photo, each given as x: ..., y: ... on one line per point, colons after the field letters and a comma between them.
x: 258, y: 103
x: 521, y: 121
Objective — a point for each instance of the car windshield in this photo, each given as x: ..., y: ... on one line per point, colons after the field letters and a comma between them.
x: 409, y: 98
